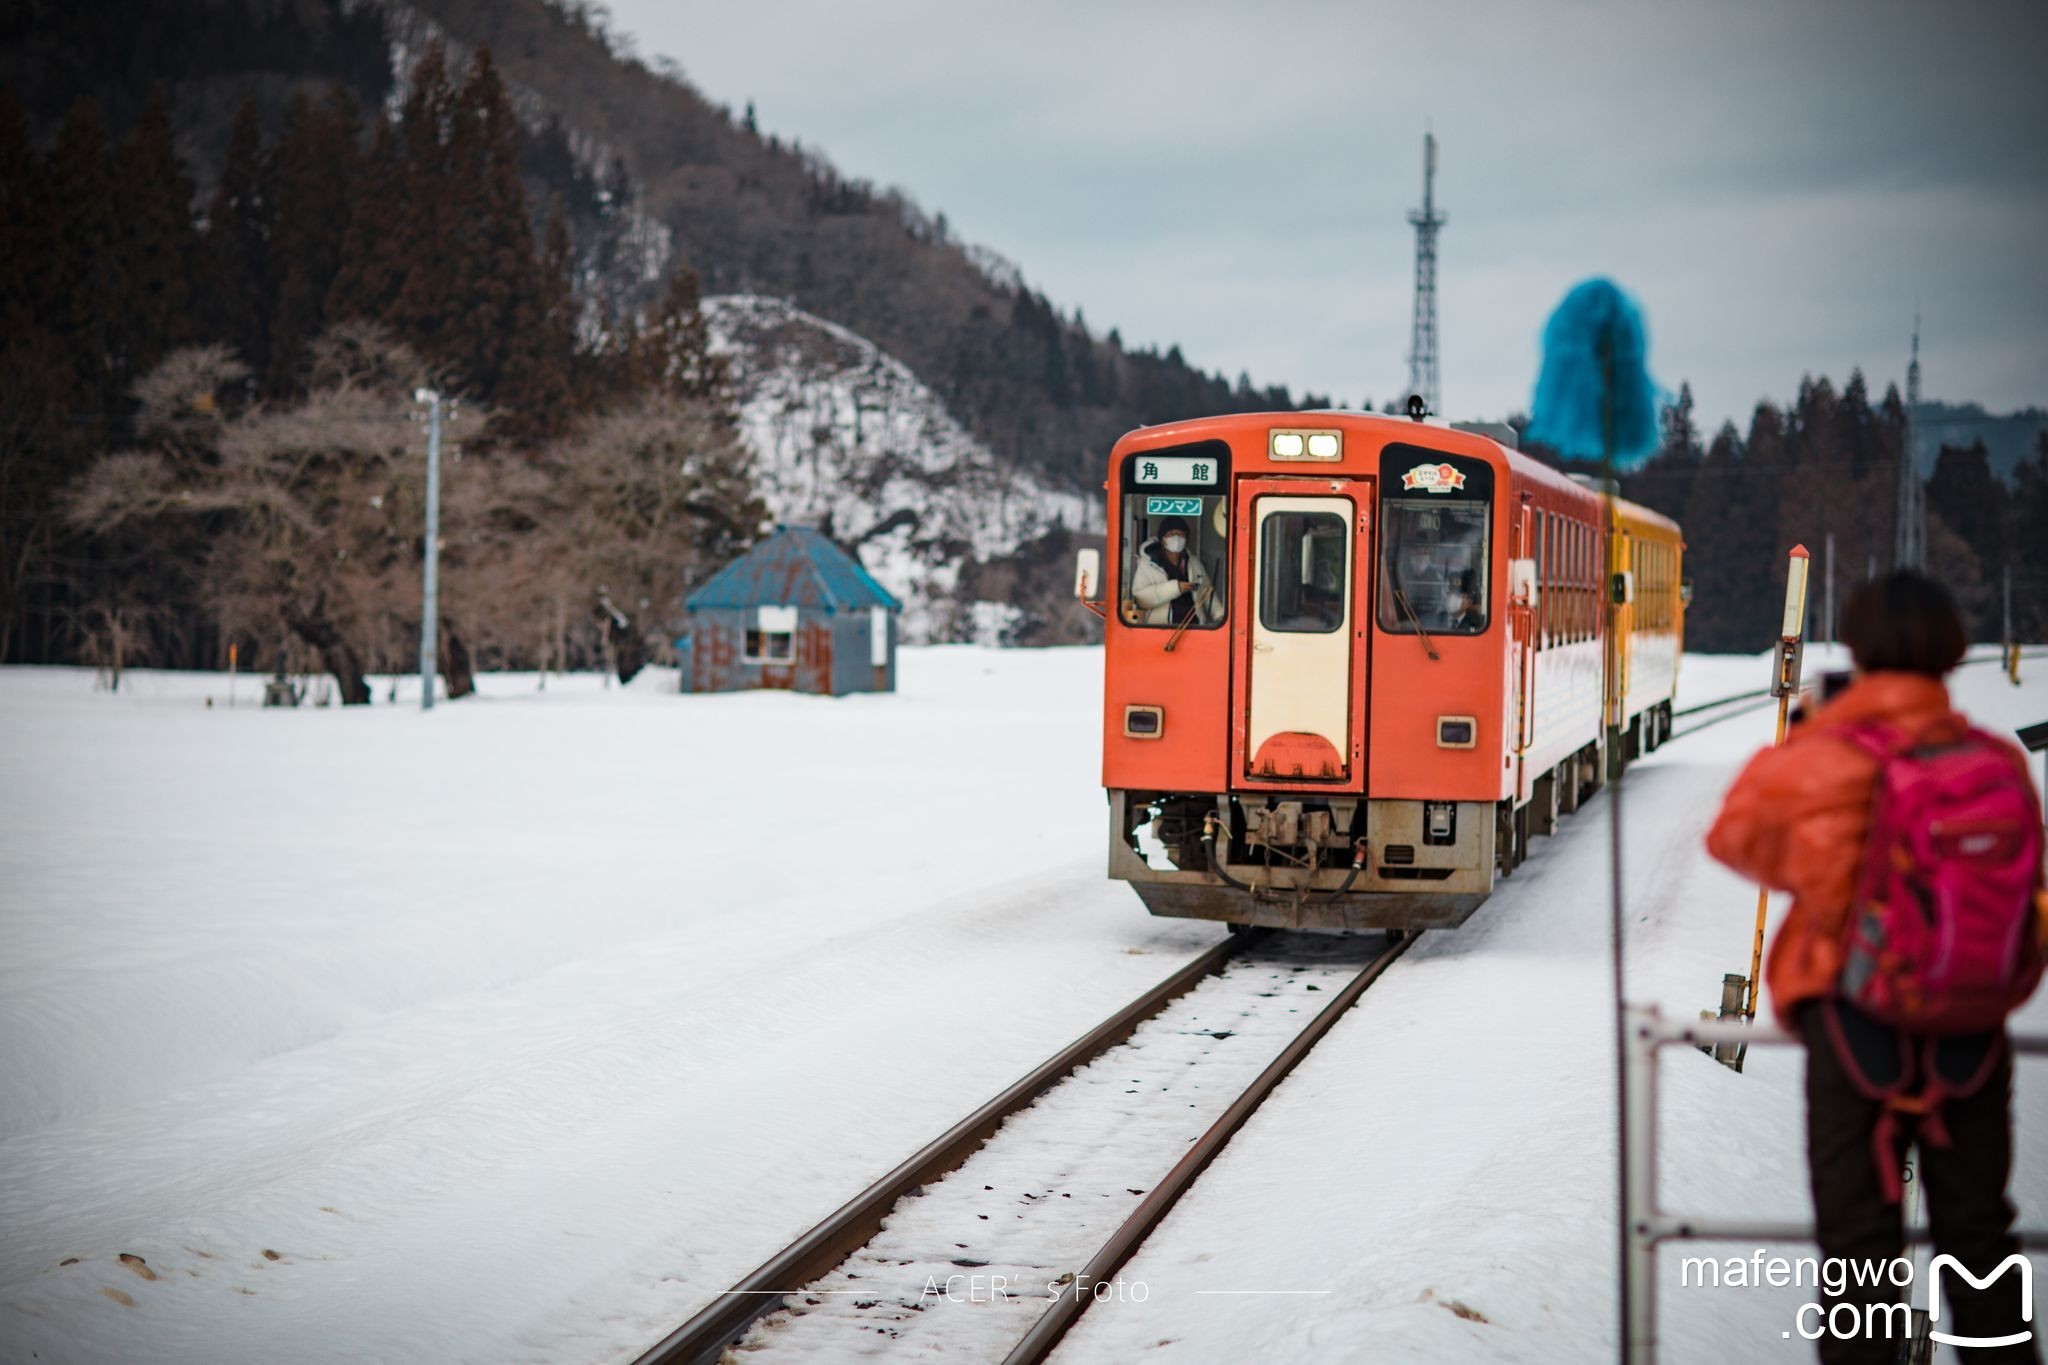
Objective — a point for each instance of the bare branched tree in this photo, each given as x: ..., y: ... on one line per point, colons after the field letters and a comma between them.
x: 621, y: 516
x: 314, y: 513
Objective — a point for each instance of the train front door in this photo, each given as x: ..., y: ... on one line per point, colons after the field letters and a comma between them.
x: 1302, y: 629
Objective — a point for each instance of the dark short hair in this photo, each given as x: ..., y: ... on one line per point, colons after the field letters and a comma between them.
x: 1904, y: 622
x: 1171, y: 524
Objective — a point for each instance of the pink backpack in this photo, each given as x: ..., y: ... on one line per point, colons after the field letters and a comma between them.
x: 1941, y: 938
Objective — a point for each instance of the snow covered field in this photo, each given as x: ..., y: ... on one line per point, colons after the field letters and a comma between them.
x: 515, y: 1031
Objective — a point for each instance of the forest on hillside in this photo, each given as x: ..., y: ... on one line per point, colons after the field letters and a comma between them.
x: 1828, y: 464
x: 208, y: 426
x: 239, y: 233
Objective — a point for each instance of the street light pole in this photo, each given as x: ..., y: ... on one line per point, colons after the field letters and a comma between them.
x: 430, y: 608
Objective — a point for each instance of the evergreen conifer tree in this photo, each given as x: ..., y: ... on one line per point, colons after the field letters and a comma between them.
x: 426, y: 243
x: 539, y: 387
x: 1966, y: 498
x: 372, y: 261
x: 161, y: 245
x: 495, y: 297
x: 672, y: 355
x: 86, y: 285
x: 317, y: 161
x: 236, y: 290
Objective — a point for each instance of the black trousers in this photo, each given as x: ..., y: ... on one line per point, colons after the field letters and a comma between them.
x: 1967, y: 1209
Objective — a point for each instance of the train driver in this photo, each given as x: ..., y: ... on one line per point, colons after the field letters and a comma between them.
x: 1170, y: 585
x: 1420, y: 580
x: 1466, y: 614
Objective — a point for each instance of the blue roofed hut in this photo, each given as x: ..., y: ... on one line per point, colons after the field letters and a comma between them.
x: 796, y: 612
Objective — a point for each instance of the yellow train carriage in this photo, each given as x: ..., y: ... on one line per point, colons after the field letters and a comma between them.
x: 1646, y: 564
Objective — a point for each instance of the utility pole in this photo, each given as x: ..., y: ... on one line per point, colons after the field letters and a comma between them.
x: 430, y: 588
x: 1910, y: 546
x: 1422, y: 361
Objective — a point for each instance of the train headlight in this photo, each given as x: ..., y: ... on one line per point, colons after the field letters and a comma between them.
x: 1457, y: 732
x: 1297, y: 444
x: 1144, y: 722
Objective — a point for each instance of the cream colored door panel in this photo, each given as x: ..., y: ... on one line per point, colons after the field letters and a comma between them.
x: 1301, y: 637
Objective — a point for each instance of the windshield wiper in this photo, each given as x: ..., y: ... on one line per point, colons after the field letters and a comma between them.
x: 1421, y: 634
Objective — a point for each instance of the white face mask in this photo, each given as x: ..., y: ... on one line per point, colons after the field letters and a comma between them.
x: 1175, y: 544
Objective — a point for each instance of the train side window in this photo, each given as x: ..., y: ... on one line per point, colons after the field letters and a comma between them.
x: 1589, y: 542
x: 1582, y: 540
x: 1165, y: 587
x: 1571, y: 578
x: 1304, y: 572
x: 1549, y: 578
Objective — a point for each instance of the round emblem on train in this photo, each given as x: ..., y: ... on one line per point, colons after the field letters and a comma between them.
x: 1434, y: 478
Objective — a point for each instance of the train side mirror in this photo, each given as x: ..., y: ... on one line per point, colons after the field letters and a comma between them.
x: 1522, y: 589
x: 1087, y: 574
x: 1624, y: 589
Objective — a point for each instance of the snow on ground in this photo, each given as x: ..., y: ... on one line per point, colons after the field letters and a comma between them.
x: 1452, y: 1141
x: 516, y: 1031
x: 519, y: 1029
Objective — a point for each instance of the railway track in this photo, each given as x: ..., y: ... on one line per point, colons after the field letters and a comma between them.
x: 991, y: 1249
x: 1747, y: 703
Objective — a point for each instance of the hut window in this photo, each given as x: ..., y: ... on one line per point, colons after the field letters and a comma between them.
x: 770, y: 647
x: 772, y: 637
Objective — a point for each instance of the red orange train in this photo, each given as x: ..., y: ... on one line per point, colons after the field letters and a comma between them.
x: 1354, y: 663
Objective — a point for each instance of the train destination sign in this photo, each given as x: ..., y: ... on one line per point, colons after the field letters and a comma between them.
x: 1173, y: 507
x: 1176, y: 469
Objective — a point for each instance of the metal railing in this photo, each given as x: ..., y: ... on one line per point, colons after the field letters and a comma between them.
x: 1647, y: 1225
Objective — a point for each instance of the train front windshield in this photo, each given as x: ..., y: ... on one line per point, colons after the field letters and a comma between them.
x: 1435, y: 518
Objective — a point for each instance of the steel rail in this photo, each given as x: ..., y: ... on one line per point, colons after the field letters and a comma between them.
x: 705, y: 1336
x: 1719, y: 702
x: 1766, y: 699
x: 1699, y: 725
x: 1045, y: 1334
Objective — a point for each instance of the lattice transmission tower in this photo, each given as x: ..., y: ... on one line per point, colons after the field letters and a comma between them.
x: 1422, y: 370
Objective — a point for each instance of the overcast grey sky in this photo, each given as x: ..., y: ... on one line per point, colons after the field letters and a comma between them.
x: 1778, y: 181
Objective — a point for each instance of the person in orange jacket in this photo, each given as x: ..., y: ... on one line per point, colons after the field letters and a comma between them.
x: 1795, y: 820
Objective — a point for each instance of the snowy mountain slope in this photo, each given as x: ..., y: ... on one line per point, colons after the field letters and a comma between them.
x: 847, y: 439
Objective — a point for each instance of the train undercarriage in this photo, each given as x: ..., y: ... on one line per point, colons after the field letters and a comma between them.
x: 1307, y: 860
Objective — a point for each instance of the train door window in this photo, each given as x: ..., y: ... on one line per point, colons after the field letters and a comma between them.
x: 1174, y: 538
x: 1435, y: 538
x: 1304, y: 572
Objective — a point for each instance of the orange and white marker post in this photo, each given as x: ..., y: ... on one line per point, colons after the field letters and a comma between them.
x: 1784, y: 686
